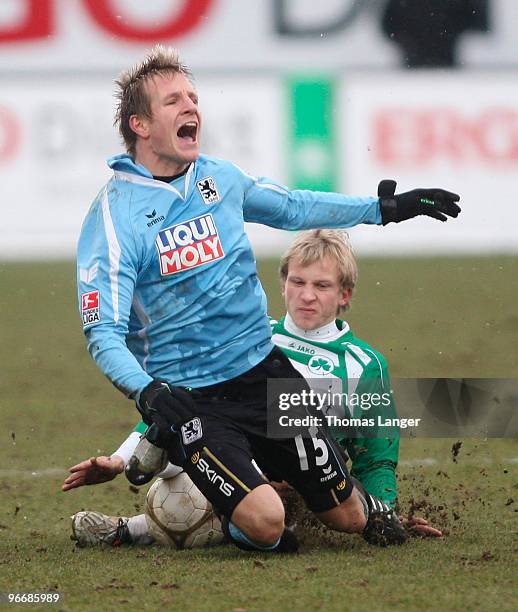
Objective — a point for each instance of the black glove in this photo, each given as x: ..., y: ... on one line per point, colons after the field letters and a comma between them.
x: 167, y: 406
x: 436, y: 203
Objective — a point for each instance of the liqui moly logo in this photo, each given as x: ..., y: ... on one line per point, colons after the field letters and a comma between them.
x: 188, y: 245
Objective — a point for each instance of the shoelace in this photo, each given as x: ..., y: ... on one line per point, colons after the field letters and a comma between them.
x: 119, y: 533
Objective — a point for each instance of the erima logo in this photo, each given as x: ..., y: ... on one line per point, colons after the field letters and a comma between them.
x: 87, y: 275
x: 328, y: 476
x: 226, y: 488
x: 208, y: 190
x: 154, y: 218
x: 188, y: 245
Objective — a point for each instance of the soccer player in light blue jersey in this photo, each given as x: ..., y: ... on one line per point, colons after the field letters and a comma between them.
x: 318, y: 274
x: 175, y: 316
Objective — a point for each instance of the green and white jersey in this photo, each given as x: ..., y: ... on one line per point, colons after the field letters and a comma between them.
x: 333, y: 360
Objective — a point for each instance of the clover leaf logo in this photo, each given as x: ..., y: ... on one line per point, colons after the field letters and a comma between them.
x: 320, y: 365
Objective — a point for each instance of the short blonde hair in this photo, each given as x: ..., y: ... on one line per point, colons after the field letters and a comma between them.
x: 132, y: 97
x: 314, y: 245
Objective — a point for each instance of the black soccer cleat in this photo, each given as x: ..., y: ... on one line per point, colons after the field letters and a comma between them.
x: 383, y: 526
x: 288, y: 543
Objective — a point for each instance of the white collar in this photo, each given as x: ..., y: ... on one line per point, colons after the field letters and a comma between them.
x: 326, y: 333
x: 151, y: 182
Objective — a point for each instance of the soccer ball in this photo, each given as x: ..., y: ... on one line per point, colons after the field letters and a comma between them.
x: 179, y: 515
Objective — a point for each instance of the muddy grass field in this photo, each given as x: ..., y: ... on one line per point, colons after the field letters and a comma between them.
x: 444, y: 317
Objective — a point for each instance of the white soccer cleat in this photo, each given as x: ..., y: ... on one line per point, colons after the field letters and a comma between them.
x: 94, y: 529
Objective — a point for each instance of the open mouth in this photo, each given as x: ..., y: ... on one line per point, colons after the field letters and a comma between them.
x: 188, y: 131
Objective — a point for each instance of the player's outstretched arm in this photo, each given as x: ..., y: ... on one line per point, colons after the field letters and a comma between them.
x: 437, y: 203
x: 420, y: 527
x: 93, y: 471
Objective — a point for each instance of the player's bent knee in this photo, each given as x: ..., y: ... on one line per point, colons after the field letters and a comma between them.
x: 263, y: 527
x: 260, y: 515
x: 266, y: 529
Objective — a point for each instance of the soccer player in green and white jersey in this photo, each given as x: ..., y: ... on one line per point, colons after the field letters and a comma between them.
x: 318, y: 274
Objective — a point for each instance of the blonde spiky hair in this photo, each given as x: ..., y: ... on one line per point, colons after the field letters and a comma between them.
x: 131, y: 94
x: 314, y: 245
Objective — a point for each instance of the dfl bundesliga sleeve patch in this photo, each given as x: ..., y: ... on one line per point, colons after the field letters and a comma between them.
x: 90, y: 307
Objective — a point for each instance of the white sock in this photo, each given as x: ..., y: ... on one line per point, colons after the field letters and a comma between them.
x: 170, y: 471
x: 139, y: 532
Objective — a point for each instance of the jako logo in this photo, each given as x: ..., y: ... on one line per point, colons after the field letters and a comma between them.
x: 226, y: 488
x: 303, y: 348
x: 188, y: 245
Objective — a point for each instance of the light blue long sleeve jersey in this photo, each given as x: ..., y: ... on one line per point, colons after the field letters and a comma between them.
x: 167, y: 279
